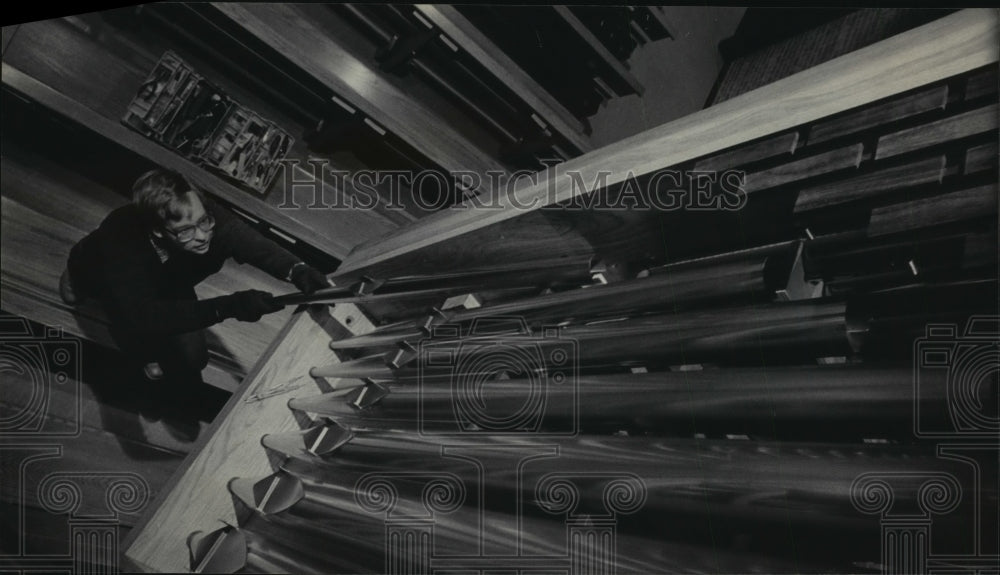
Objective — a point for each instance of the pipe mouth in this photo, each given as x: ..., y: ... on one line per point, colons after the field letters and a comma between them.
x: 857, y: 324
x: 221, y: 551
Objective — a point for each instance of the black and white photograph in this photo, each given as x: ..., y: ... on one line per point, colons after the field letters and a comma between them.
x: 499, y: 289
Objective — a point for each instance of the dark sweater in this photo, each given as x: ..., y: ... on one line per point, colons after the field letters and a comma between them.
x: 117, y: 264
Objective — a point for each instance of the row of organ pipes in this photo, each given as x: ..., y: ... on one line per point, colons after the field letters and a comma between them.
x: 748, y: 410
x: 674, y: 411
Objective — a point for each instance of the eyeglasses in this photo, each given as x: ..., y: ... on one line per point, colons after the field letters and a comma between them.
x: 185, y: 235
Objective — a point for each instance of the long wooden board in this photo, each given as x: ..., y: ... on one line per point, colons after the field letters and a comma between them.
x: 769, y: 148
x: 945, y: 208
x: 896, y: 109
x: 962, y: 125
x: 196, y: 498
x: 871, y: 184
x: 834, y: 160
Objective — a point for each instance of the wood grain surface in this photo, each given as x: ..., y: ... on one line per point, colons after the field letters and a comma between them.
x: 962, y: 125
x: 762, y: 150
x: 946, y: 47
x: 982, y: 84
x: 871, y: 184
x: 981, y: 158
x: 827, y: 162
x: 941, y: 209
x: 197, y: 499
x: 895, y: 109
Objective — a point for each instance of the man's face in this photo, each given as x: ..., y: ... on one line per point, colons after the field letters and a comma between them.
x: 186, y: 233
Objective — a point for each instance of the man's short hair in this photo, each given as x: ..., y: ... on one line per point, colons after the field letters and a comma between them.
x: 159, y: 196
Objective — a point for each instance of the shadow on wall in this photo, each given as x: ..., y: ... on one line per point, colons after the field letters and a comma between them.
x: 678, y: 74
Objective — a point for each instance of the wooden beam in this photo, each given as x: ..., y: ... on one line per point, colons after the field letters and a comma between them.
x: 943, y: 48
x: 933, y: 211
x: 479, y: 47
x: 45, y: 96
x: 832, y: 161
x: 981, y: 158
x: 963, y: 125
x: 896, y: 109
x: 283, y: 28
x: 769, y: 148
x: 196, y: 498
x: 871, y: 184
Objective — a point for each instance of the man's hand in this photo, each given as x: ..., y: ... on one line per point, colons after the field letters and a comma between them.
x: 249, y: 305
x: 308, y: 279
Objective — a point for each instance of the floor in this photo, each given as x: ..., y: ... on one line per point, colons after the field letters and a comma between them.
x: 77, y: 406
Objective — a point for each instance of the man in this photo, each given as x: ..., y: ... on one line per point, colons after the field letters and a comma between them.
x: 144, y: 260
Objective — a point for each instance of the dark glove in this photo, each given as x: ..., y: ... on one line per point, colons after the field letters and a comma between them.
x: 247, y: 305
x: 308, y: 279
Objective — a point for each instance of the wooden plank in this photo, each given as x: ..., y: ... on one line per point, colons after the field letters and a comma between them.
x: 981, y: 84
x: 871, y: 184
x: 621, y: 74
x: 827, y: 162
x: 45, y: 96
x: 283, y: 28
x: 478, y: 46
x: 942, y: 209
x: 871, y: 116
x: 196, y: 498
x: 768, y: 148
x: 951, y: 45
x: 981, y: 158
x: 962, y: 125
x: 60, y: 53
